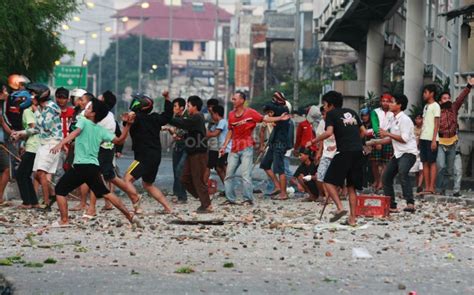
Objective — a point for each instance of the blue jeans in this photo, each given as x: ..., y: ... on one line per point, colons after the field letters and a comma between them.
x: 179, y: 157
x: 445, y: 163
x: 244, y: 160
x: 402, y: 167
x: 457, y: 173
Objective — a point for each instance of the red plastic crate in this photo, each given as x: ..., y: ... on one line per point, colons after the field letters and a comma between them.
x: 372, y: 206
x: 211, y: 186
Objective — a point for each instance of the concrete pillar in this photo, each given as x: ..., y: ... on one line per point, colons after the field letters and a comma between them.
x: 360, y: 65
x: 414, y: 51
x: 464, y: 49
x: 374, y: 58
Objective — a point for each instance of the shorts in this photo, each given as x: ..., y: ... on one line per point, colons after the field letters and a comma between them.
x: 106, y: 163
x: 426, y: 154
x: 346, y: 166
x: 145, y: 167
x: 45, y: 160
x: 384, y: 155
x: 323, y: 168
x: 215, y: 161
x: 275, y: 157
x: 79, y: 174
x: 4, y: 159
x: 60, y: 170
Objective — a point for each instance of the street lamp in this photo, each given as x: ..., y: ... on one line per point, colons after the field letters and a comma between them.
x: 65, y: 27
x: 154, y: 67
x: 76, y: 18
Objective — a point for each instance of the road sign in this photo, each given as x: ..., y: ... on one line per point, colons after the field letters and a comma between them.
x: 70, y: 77
x: 202, y: 68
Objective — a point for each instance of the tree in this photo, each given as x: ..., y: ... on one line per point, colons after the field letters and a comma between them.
x: 29, y: 42
x: 155, y: 52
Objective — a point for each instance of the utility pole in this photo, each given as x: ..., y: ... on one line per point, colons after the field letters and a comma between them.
x: 170, y: 44
x: 216, y: 66
x: 140, y: 52
x: 297, y: 56
x: 116, y: 62
x: 100, y: 56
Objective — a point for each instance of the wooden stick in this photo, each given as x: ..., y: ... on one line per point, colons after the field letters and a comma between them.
x: 324, y: 207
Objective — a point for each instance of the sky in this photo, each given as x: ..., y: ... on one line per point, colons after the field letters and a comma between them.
x: 83, y: 36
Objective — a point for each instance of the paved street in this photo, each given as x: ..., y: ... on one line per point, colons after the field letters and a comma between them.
x: 272, y: 248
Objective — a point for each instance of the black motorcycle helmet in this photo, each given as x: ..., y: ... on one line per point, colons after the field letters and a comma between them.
x: 40, y: 91
x: 141, y: 103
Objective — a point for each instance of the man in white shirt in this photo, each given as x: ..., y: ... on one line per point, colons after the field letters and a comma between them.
x: 401, y: 135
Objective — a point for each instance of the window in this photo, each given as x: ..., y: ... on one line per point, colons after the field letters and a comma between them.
x: 186, y: 46
x: 198, y: 6
x: 203, y: 46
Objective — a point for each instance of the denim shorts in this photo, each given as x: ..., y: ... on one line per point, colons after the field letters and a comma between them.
x: 323, y: 168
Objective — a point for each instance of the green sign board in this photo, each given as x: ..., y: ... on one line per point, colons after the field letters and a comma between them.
x: 70, y: 77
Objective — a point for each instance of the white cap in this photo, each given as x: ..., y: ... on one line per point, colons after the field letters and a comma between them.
x: 77, y: 92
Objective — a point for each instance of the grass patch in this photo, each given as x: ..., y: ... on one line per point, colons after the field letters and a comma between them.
x: 185, y: 269
x: 5, y: 262
x: 329, y: 280
x: 229, y: 265
x: 80, y: 249
x: 50, y: 260
x: 33, y: 264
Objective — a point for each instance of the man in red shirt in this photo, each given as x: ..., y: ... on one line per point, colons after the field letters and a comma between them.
x: 304, y: 134
x: 242, y: 122
x: 67, y: 112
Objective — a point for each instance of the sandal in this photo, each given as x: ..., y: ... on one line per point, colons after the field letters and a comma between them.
x: 278, y: 198
x: 86, y: 217
x: 135, y: 220
x: 136, y: 205
x: 394, y: 210
x: 338, y: 216
x: 247, y: 203
x: 56, y: 224
x: 409, y: 209
x: 228, y: 202
x: 275, y: 193
x: 202, y: 210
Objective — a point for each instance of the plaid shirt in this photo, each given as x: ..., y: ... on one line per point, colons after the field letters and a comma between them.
x: 448, y: 123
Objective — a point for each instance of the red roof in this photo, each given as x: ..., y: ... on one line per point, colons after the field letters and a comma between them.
x: 188, y: 24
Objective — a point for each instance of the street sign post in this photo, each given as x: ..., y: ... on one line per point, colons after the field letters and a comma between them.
x: 70, y: 77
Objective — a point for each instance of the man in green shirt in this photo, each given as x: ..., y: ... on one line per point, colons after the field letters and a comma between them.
x: 88, y: 137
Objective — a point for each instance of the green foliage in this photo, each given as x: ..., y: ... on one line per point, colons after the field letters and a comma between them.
x: 29, y: 45
x: 154, y: 52
x: 185, y: 270
x: 229, y: 265
x: 33, y: 264
x: 50, y: 260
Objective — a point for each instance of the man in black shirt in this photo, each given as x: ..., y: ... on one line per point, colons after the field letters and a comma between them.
x: 347, y: 164
x: 146, y: 145
x: 305, y: 174
x: 278, y: 143
x: 196, y: 149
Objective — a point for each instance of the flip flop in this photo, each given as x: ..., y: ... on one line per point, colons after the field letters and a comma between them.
x: 5, y: 204
x: 277, y: 198
x: 88, y: 217
x: 338, y: 216
x: 394, y: 210
x: 410, y: 210
x: 136, y: 205
x: 56, y: 224
x: 275, y: 193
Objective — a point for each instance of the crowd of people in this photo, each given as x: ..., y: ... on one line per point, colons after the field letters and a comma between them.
x: 70, y: 144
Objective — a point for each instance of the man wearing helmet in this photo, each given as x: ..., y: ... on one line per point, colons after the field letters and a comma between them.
x: 146, y: 145
x: 48, y: 126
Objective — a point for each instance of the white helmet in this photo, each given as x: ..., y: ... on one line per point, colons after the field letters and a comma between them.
x: 77, y: 92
